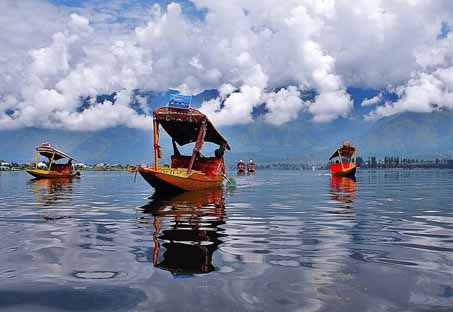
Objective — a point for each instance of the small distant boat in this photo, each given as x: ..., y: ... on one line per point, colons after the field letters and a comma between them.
x: 241, y: 167
x: 251, y: 166
x: 53, y: 170
x: 343, y: 161
x: 132, y: 168
x: 186, y: 125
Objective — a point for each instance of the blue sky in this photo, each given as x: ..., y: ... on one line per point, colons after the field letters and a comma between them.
x: 125, y: 5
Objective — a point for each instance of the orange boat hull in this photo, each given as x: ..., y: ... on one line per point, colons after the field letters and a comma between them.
x: 44, y: 174
x: 347, y: 170
x: 168, y: 181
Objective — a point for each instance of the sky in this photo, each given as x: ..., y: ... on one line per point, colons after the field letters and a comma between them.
x: 256, y: 53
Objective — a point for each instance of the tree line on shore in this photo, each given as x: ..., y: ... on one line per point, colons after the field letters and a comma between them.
x: 400, y: 162
x: 372, y: 162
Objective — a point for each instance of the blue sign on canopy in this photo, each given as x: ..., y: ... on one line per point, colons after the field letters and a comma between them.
x: 180, y: 101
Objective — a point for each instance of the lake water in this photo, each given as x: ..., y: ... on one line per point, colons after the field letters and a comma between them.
x: 279, y: 241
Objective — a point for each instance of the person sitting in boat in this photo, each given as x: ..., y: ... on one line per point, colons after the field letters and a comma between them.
x: 219, y: 152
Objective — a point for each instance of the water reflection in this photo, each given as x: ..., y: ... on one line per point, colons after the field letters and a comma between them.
x: 50, y: 192
x: 343, y: 189
x: 185, y: 230
x: 282, y: 243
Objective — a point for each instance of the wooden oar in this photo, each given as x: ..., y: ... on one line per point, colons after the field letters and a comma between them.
x: 135, y: 176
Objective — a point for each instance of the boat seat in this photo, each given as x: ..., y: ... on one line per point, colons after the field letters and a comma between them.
x: 207, y: 165
x: 61, y: 168
x: 180, y: 161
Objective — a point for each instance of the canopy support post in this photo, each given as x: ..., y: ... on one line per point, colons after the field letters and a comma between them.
x: 51, y: 162
x: 198, y: 145
x: 341, y: 160
x: 36, y: 159
x: 156, y: 144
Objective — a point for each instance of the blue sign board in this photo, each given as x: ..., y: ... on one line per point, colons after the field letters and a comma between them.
x: 180, y: 101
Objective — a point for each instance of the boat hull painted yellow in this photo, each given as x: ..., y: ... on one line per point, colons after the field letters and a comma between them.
x: 178, y: 180
x: 44, y: 174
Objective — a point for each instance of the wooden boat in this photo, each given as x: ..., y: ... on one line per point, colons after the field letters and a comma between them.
x: 132, y: 168
x: 186, y: 172
x: 53, y: 170
x: 241, y: 168
x: 251, y: 167
x: 343, y: 161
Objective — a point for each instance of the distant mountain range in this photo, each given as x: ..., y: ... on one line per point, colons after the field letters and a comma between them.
x: 406, y: 134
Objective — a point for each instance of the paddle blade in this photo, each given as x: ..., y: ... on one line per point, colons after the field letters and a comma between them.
x: 231, y: 182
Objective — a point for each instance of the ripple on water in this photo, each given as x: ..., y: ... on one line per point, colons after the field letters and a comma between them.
x: 289, y: 235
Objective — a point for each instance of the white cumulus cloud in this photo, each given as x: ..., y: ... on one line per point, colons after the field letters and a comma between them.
x: 283, y: 106
x: 245, y: 49
x: 373, y: 101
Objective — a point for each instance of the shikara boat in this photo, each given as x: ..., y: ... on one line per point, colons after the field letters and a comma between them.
x: 241, y: 167
x: 343, y: 161
x: 251, y: 167
x: 186, y: 125
x: 53, y: 170
x: 131, y: 168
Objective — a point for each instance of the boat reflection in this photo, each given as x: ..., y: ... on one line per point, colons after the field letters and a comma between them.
x: 343, y: 189
x: 49, y: 192
x: 186, y: 230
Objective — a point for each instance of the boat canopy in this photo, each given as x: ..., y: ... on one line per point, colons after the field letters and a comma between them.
x: 347, y: 150
x: 47, y: 151
x: 183, y: 125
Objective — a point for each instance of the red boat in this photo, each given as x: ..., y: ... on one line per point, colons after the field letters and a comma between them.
x: 186, y: 172
x: 241, y: 167
x: 343, y: 161
x: 251, y: 167
x: 53, y: 169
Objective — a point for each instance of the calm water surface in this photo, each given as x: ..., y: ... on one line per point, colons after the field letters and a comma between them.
x: 280, y: 241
